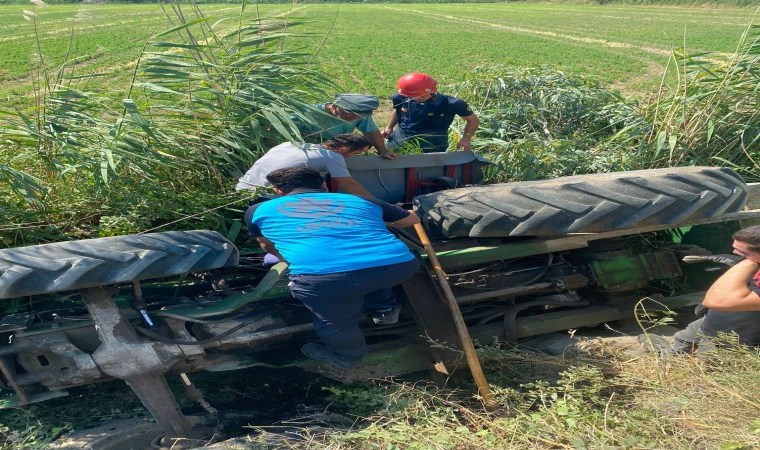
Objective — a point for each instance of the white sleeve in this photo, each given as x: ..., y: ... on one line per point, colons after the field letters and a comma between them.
x: 334, y: 164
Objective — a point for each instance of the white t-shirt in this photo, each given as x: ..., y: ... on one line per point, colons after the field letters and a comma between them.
x: 289, y: 155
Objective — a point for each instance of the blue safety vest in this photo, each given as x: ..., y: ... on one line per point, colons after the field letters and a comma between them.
x: 321, y: 233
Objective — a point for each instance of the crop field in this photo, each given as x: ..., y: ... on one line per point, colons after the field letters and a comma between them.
x: 366, y: 47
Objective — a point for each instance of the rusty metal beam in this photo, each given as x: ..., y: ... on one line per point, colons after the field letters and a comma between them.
x: 464, y: 335
x: 9, y: 374
x: 124, y: 355
x: 433, y: 320
x: 452, y: 259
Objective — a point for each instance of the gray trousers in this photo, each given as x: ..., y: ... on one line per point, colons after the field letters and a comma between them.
x: 688, y: 339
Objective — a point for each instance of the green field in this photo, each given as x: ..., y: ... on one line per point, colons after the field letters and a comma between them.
x: 368, y: 46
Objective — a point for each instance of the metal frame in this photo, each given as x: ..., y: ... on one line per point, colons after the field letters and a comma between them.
x: 141, y: 362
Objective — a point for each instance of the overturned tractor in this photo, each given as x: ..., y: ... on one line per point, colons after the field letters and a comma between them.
x: 521, y: 259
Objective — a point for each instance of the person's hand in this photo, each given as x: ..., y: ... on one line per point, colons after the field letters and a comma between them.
x: 390, y: 155
x: 700, y: 310
x: 465, y: 144
x: 726, y: 259
x: 386, y: 132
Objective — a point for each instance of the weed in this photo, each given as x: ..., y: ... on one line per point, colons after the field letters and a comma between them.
x: 593, y: 399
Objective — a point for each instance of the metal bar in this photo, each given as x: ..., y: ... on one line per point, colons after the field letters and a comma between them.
x: 411, y: 183
x: 138, y: 303
x: 510, y: 314
x: 469, y: 349
x: 26, y: 379
x: 272, y: 285
x: 260, y: 335
x: 124, y: 355
x: 452, y: 259
x: 513, y: 291
x: 433, y: 320
x: 11, y: 401
x: 8, y: 373
x: 558, y: 321
x: 451, y: 171
x: 467, y: 173
x: 155, y: 395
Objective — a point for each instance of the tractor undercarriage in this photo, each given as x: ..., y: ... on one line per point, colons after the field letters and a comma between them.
x: 228, y: 316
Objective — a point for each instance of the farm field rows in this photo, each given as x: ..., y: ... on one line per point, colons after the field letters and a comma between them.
x: 370, y: 45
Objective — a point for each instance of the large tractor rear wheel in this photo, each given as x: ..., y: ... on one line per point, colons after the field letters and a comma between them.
x: 584, y: 203
x: 70, y: 265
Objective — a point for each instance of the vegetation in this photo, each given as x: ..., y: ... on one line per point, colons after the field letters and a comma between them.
x: 242, y: 391
x: 361, y: 54
x: 542, y: 123
x: 598, y: 398
x: 161, y: 147
x: 206, y: 97
x: 202, y: 109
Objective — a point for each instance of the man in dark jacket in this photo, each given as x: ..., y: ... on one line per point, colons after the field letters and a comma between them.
x: 423, y: 116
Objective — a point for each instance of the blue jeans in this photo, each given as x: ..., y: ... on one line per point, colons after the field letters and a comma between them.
x: 337, y: 301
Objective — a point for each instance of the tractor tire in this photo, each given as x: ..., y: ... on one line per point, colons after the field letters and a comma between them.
x: 70, y: 265
x: 584, y: 203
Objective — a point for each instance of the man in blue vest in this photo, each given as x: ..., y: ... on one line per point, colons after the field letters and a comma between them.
x: 423, y: 116
x: 342, y: 258
x: 348, y: 112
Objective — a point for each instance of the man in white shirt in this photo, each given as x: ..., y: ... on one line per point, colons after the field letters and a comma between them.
x: 327, y: 158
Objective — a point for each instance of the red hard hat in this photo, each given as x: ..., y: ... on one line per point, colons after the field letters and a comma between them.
x: 416, y: 85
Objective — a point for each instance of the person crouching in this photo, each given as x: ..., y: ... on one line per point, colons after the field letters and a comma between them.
x: 342, y: 258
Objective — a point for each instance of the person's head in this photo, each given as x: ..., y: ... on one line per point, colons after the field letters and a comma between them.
x: 289, y: 179
x: 417, y: 86
x: 747, y: 243
x: 348, y: 144
x: 351, y: 107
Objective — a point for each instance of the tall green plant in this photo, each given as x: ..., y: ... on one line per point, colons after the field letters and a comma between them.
x: 69, y: 134
x: 712, y: 116
x: 228, y: 92
x: 204, y: 103
x: 541, y: 122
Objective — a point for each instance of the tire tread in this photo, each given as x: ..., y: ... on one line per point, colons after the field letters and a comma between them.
x: 95, y: 262
x: 584, y: 203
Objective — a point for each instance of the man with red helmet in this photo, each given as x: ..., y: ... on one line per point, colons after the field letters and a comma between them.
x: 423, y: 116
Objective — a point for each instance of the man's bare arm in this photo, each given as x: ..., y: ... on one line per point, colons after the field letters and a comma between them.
x: 730, y: 291
x: 407, y: 221
x: 269, y: 247
x: 379, y: 143
x: 352, y: 186
x: 392, y: 121
x: 469, y: 131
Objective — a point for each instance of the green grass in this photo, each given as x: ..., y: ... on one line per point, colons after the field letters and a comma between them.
x: 108, y: 37
x: 371, y: 45
x: 627, y: 46
x: 600, y: 398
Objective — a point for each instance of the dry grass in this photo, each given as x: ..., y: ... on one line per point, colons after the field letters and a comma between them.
x: 597, y: 398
